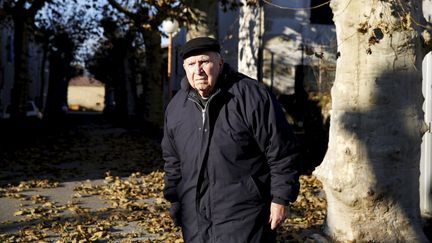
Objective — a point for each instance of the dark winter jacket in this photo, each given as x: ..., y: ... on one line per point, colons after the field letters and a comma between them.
x: 226, y: 162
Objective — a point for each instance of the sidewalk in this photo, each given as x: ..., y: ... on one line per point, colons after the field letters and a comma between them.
x: 54, y: 184
x: 109, y: 209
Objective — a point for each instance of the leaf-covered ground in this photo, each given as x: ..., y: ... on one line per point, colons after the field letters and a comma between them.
x: 103, y: 183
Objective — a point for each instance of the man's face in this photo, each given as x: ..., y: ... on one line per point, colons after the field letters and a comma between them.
x: 202, y: 71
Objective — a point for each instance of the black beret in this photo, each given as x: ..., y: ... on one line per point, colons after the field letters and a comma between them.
x: 198, y: 45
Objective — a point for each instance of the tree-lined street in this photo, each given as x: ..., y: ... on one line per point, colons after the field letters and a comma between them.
x: 79, y: 177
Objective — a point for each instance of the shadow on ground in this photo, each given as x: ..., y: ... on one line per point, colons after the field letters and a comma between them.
x: 80, y: 146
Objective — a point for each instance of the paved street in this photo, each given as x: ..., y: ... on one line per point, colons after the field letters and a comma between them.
x: 57, y: 175
x: 87, y: 179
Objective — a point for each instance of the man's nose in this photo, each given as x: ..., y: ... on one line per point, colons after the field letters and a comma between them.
x: 197, y: 69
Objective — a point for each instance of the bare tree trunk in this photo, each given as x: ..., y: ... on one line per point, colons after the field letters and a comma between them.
x: 371, y: 170
x: 205, y: 14
x: 23, y: 14
x: 250, y: 41
x: 153, y: 90
x: 20, y: 89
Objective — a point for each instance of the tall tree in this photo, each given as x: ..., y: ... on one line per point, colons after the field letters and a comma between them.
x: 250, y: 39
x: 61, y: 71
x: 371, y: 170
x: 146, y: 16
x: 23, y: 14
x: 65, y: 27
x: 57, y: 21
x: 116, y: 62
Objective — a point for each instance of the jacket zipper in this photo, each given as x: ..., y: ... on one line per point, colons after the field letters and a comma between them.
x: 204, y: 130
x: 204, y: 109
x: 199, y: 105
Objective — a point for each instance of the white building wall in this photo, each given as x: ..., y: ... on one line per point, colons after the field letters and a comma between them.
x: 288, y: 33
x: 279, y: 29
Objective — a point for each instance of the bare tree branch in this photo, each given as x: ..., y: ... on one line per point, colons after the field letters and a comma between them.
x: 122, y: 9
x: 35, y: 7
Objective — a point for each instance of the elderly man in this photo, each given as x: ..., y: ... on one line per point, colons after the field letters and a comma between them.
x: 230, y: 155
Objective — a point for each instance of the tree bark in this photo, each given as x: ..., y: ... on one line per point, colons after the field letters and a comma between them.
x: 153, y: 91
x: 152, y: 41
x: 205, y: 15
x: 371, y: 170
x: 20, y: 89
x: 22, y: 18
x: 250, y: 41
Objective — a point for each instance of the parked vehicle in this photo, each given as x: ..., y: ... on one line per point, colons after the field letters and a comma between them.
x: 32, y: 111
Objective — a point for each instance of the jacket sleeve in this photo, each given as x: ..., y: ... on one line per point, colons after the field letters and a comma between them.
x: 172, y: 165
x: 276, y: 139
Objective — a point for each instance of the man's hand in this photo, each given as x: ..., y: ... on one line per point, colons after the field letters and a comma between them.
x: 277, y: 215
